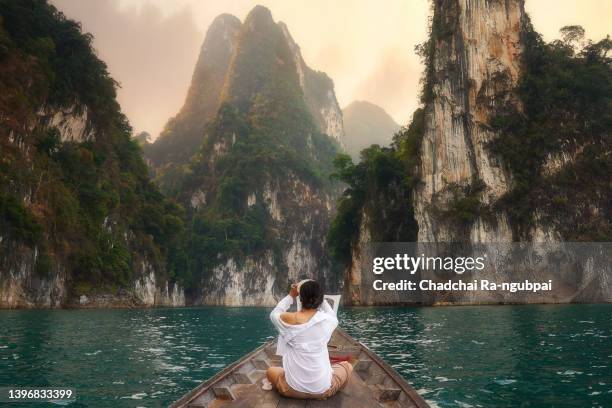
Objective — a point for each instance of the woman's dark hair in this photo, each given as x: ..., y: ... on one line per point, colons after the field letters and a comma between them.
x: 311, y: 295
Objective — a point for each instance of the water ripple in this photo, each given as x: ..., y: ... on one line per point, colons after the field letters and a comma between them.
x: 456, y: 357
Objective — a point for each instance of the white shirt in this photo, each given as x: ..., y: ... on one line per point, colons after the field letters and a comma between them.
x: 304, y: 347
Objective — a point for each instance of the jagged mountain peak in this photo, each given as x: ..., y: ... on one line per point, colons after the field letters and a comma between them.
x: 259, y: 17
x: 220, y: 30
x: 217, y: 49
x: 237, y: 62
x: 262, y: 61
x: 224, y: 18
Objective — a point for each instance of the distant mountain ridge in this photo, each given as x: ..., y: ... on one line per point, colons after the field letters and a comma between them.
x: 366, y: 124
x: 249, y: 155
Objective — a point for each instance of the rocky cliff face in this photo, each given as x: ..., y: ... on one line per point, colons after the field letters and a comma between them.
x: 256, y: 184
x: 319, y: 93
x: 75, y: 200
x: 21, y: 286
x: 476, y: 58
x: 32, y: 277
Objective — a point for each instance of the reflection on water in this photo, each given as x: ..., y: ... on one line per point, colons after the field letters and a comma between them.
x: 536, y: 356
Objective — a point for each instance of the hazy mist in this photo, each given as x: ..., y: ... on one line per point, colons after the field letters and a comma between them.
x: 366, y: 47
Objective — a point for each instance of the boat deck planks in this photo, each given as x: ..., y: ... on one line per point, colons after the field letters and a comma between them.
x: 373, y: 383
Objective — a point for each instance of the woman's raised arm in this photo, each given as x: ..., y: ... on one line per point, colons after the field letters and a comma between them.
x: 282, y: 306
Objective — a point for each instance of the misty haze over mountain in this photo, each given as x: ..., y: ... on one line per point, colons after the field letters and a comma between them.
x: 151, y: 46
x: 366, y: 124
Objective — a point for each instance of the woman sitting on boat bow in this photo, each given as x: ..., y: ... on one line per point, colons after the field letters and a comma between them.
x: 303, y: 336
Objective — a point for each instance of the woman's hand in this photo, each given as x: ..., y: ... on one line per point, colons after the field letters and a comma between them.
x: 294, y: 291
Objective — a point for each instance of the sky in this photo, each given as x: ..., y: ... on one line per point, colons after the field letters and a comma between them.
x: 365, y: 46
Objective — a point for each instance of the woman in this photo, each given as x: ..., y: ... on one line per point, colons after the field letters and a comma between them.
x: 302, y: 342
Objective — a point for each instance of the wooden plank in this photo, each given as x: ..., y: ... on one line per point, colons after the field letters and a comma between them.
x: 251, y: 396
x: 242, y: 378
x: 363, y: 365
x: 224, y: 393
x: 291, y: 403
x: 261, y: 364
x: 388, y: 394
x: 256, y: 375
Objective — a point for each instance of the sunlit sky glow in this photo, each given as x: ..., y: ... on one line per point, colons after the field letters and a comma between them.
x: 365, y: 46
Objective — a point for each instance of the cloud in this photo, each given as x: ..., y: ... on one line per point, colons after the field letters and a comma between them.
x: 150, y: 53
x: 392, y: 84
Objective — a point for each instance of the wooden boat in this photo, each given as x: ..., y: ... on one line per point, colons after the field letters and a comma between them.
x: 373, y: 384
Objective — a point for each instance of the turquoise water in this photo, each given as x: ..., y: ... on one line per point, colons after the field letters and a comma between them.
x: 510, y: 356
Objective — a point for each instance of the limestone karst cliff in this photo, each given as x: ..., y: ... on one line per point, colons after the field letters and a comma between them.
x: 253, y: 167
x: 510, y: 145
x: 475, y: 57
x: 514, y: 144
x: 80, y: 222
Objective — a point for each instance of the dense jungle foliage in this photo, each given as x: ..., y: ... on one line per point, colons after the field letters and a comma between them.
x: 85, y: 206
x: 558, y: 146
